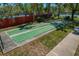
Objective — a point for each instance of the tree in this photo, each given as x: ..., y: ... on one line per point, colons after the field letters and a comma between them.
x: 58, y: 9
x: 73, y: 8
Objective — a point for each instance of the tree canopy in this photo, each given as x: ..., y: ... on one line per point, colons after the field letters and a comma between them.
x: 13, y: 9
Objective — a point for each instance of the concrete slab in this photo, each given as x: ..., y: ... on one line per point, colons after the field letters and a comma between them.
x: 7, y: 42
x: 67, y: 47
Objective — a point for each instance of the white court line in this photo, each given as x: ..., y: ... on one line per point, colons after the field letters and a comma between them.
x: 11, y: 30
x: 18, y: 28
x: 8, y: 35
x: 26, y: 31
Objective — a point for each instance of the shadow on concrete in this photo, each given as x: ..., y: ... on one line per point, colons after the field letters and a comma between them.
x: 25, y: 26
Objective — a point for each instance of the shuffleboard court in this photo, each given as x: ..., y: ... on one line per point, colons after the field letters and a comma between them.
x: 29, y: 27
x: 19, y: 36
x: 22, y: 35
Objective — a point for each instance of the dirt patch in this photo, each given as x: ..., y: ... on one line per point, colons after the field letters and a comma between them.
x: 0, y: 53
x: 77, y: 52
x: 34, y: 48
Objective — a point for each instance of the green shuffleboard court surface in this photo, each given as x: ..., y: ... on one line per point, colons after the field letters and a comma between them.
x: 18, y: 29
x: 20, y: 35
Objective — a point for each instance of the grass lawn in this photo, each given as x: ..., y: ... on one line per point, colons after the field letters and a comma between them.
x: 77, y: 19
x: 53, y: 38
x: 41, y: 46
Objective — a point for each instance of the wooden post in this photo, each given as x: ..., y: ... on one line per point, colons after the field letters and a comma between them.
x: 1, y: 45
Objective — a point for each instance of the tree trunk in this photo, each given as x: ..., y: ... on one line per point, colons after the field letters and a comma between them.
x: 72, y: 16
x: 73, y: 12
x: 58, y: 11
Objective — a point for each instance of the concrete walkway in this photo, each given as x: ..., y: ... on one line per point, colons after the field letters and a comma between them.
x: 67, y: 47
